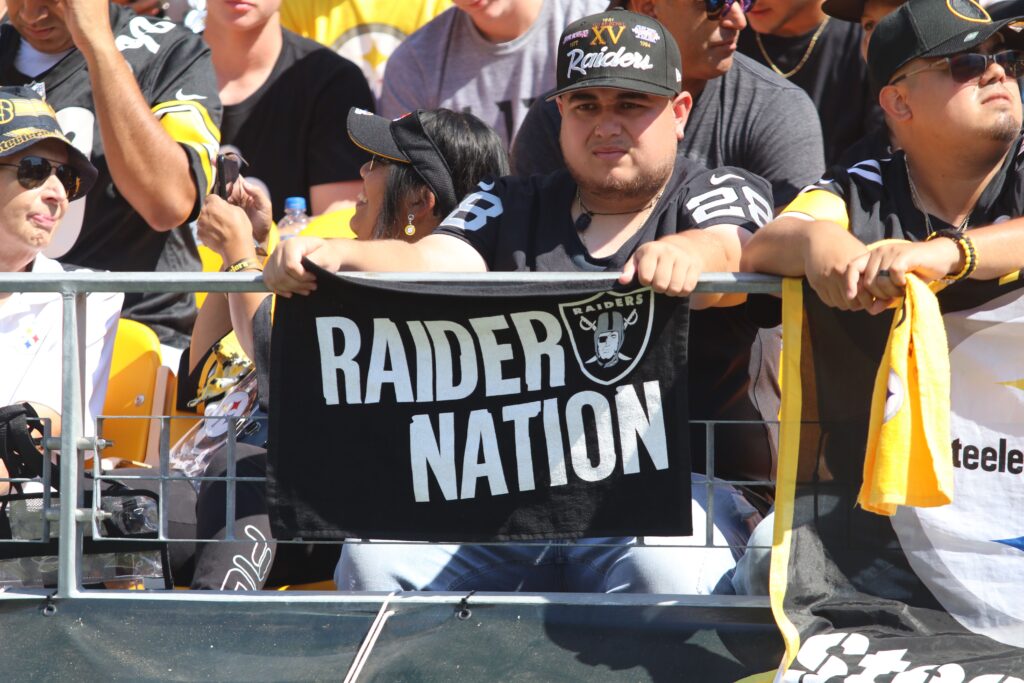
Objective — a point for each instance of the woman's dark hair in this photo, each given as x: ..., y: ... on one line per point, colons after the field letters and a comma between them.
x: 470, y: 147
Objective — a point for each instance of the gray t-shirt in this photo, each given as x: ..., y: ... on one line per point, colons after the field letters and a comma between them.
x: 750, y: 118
x: 448, y: 63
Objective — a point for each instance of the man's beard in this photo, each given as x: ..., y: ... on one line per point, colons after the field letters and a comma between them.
x: 643, y: 186
x: 1006, y: 129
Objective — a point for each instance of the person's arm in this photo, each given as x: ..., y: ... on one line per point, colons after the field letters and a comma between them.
x: 673, y: 264
x: 882, y: 272
x: 285, y: 275
x: 820, y: 250
x: 148, y: 167
x: 229, y: 230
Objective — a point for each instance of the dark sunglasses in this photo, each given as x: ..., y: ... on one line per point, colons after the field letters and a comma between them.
x: 969, y: 66
x: 716, y: 9
x: 33, y: 172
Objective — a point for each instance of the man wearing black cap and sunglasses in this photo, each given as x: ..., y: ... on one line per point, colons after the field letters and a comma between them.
x: 626, y: 204
x: 40, y: 173
x: 946, y: 77
x: 743, y: 114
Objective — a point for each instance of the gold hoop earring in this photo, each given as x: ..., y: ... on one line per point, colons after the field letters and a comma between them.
x: 410, y: 229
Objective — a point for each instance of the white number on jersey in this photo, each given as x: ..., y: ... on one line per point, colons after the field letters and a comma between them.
x: 725, y: 201
x: 715, y: 203
x: 472, y: 213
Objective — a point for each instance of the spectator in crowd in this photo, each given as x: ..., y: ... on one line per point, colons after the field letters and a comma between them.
x: 957, y: 113
x: 626, y: 203
x: 138, y: 95
x: 407, y: 190
x: 40, y: 173
x: 958, y: 117
x: 878, y: 140
x: 743, y: 114
x: 363, y: 31
x: 488, y: 57
x: 798, y: 41
x: 283, y: 96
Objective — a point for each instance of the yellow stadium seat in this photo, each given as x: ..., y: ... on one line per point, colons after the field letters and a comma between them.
x: 137, y: 388
x: 177, y: 427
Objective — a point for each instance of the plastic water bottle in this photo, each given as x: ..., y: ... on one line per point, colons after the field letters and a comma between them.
x: 295, y: 218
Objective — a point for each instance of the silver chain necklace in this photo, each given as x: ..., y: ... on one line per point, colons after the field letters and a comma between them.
x: 920, y: 205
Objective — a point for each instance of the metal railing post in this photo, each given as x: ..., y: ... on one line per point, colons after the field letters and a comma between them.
x: 70, y: 542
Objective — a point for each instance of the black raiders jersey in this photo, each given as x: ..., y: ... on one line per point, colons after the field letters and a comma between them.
x: 524, y: 224
x: 175, y: 75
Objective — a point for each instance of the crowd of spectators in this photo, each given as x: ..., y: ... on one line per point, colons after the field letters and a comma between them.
x: 761, y: 105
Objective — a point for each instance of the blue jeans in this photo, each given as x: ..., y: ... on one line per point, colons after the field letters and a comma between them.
x: 588, y: 565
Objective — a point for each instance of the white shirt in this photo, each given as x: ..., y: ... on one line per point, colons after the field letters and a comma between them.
x: 30, y: 346
x: 32, y: 62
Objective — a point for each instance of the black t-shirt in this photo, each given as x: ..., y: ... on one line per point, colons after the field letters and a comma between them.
x: 524, y: 224
x: 292, y: 129
x: 834, y: 76
x: 173, y: 70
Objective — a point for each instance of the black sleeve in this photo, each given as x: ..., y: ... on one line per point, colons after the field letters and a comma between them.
x: 333, y: 157
x: 478, y: 218
x: 730, y: 196
x: 535, y: 150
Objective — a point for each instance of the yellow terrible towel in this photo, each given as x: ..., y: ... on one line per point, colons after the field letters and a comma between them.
x: 908, y: 459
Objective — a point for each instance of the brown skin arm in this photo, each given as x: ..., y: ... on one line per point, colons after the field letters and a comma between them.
x: 148, y: 167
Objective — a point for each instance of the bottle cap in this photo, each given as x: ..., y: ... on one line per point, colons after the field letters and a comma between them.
x: 295, y: 204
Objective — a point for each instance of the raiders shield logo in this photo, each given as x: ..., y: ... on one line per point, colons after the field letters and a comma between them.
x: 609, y: 332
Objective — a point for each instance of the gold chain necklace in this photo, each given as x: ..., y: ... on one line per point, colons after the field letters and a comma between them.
x: 920, y: 205
x: 803, y: 60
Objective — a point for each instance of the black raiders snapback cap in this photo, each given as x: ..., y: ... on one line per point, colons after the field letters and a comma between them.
x: 619, y: 49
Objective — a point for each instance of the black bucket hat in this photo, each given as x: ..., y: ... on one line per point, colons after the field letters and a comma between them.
x: 619, y: 49
x: 927, y: 28
x: 25, y: 119
x: 405, y: 141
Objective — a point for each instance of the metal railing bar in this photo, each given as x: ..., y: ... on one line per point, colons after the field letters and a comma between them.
x: 88, y: 281
x: 376, y: 598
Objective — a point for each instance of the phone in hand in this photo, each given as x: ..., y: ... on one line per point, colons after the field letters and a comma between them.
x: 229, y: 167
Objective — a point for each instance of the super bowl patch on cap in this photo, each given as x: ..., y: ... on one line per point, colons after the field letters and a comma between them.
x: 619, y: 49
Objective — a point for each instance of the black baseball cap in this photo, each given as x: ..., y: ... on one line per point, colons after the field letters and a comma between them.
x: 619, y: 49
x: 404, y: 141
x: 26, y: 118
x: 927, y: 28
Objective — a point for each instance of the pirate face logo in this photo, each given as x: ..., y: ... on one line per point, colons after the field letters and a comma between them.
x: 609, y: 332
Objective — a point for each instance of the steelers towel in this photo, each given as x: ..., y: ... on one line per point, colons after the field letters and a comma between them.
x: 908, y: 459
x: 484, y: 411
